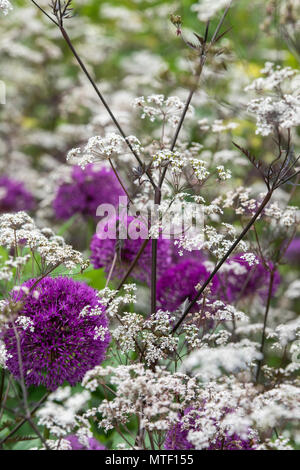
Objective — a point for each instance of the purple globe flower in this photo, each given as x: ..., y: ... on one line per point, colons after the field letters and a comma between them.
x: 239, y: 280
x: 14, y: 197
x: 61, y: 343
x: 177, y: 438
x: 76, y: 445
x: 88, y: 189
x: 103, y: 252
x: 292, y: 253
x: 179, y: 281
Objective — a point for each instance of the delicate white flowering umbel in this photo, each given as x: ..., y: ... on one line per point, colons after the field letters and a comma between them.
x: 102, y: 148
x: 284, y: 112
x: 159, y: 107
x: 206, y: 9
x: 5, y: 7
x: 19, y: 228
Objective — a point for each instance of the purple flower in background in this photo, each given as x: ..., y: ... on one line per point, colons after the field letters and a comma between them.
x: 177, y: 438
x: 89, y: 188
x: 292, y: 253
x: 14, y: 197
x: 179, y: 281
x: 93, y: 443
x: 238, y: 279
x: 103, y: 252
x: 58, y: 343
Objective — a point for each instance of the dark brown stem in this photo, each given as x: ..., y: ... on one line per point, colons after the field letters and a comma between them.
x: 227, y: 254
x: 102, y: 99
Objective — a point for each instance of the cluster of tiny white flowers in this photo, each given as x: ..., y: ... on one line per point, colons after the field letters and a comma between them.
x: 284, y: 216
x: 159, y: 107
x: 275, y: 76
x: 100, y: 148
x: 5, y: 7
x: 153, y: 335
x: 25, y: 323
x: 209, y: 363
x: 199, y: 168
x: 59, y: 413
x: 206, y: 9
x: 20, y: 228
x: 223, y: 174
x: 4, y: 355
x: 269, y: 112
x: 175, y: 160
x: 155, y: 395
x: 112, y: 300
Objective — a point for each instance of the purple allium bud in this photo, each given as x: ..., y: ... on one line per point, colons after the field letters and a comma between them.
x: 103, y: 252
x: 76, y: 444
x: 89, y: 188
x: 179, y: 281
x: 14, y: 197
x: 61, y: 344
x: 177, y: 438
x: 292, y: 253
x: 240, y: 280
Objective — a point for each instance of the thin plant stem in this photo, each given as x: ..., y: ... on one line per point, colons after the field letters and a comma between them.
x: 222, y: 261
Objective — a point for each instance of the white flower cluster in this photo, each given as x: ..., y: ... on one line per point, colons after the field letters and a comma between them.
x: 284, y: 216
x: 275, y: 76
x: 112, y: 300
x: 19, y: 229
x: 4, y: 355
x: 210, y: 363
x: 155, y: 396
x: 5, y: 7
x: 102, y: 148
x: 59, y: 413
x: 281, y: 109
x: 269, y: 112
x: 199, y: 168
x: 25, y: 323
x: 158, y: 107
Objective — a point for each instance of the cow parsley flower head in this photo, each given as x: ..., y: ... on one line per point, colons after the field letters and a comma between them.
x: 59, y: 344
x: 87, y: 189
x: 13, y: 196
x: 179, y: 283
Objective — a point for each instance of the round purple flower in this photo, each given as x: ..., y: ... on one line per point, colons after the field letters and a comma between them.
x: 103, y: 252
x: 239, y: 279
x: 88, y: 188
x: 179, y: 281
x: 58, y: 342
x: 76, y: 444
x: 292, y: 253
x: 177, y: 438
x: 14, y: 197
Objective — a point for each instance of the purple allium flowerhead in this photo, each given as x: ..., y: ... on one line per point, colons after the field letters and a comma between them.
x: 177, y: 438
x: 88, y: 188
x: 292, y: 254
x: 104, y: 250
x: 62, y: 344
x: 179, y: 283
x: 77, y: 445
x: 14, y: 197
x: 239, y: 280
